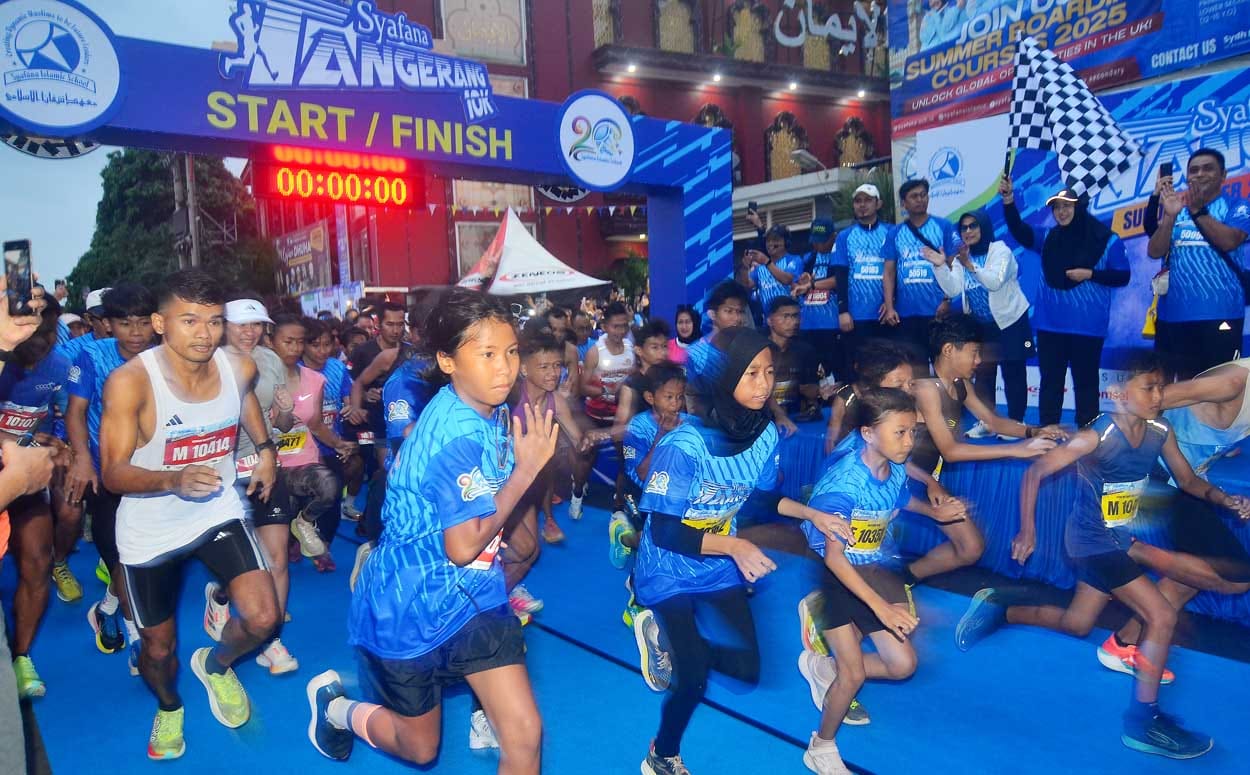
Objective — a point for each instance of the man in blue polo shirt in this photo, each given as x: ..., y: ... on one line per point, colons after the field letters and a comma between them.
x: 860, y: 248
x: 821, y: 291
x: 1201, y: 234
x: 912, y: 294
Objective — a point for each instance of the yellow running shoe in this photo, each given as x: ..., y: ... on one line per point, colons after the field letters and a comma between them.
x: 226, y: 697
x: 166, y: 741
x: 102, y: 573
x: 67, y: 587
x: 809, y: 628
x: 29, y: 684
x: 911, y: 601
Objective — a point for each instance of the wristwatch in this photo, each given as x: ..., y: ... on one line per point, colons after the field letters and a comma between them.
x: 266, y: 444
x: 1201, y: 212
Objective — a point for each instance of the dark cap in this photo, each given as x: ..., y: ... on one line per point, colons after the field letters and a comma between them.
x: 822, y: 230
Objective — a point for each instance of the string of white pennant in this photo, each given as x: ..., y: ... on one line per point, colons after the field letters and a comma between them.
x: 605, y: 211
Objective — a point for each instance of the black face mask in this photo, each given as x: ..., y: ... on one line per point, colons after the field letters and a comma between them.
x: 734, y: 427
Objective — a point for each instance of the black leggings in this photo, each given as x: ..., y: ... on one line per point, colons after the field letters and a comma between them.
x: 725, y: 618
x: 1055, y: 353
x: 103, y: 506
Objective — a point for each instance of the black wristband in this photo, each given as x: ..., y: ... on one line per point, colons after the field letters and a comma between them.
x: 266, y: 444
x: 1201, y: 212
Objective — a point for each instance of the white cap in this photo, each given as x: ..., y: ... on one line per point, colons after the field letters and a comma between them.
x: 246, y: 311
x: 869, y: 189
x: 69, y: 318
x: 95, y: 300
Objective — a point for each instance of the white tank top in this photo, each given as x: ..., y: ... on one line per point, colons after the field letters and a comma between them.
x: 614, y: 369
x: 203, y: 433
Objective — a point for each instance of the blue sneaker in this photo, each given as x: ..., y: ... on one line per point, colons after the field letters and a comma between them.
x: 983, y: 617
x: 133, y: 658
x: 107, y: 629
x: 618, y: 552
x: 330, y: 740
x: 1162, y: 735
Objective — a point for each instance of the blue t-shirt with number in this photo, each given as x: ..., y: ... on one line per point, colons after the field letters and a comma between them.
x: 916, y: 291
x: 38, y: 392
x: 705, y: 491
x: 849, y: 488
x: 861, y: 250
x: 410, y: 598
x: 1201, y: 286
x: 334, y: 395
x: 1086, y: 308
x: 767, y: 287
x: 95, y: 362
x: 819, y: 309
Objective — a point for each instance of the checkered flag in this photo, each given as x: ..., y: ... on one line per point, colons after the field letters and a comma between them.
x: 1053, y: 110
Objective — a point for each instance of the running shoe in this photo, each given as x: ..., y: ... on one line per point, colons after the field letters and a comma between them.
x: 29, y: 684
x: 523, y: 618
x: 102, y: 573
x: 215, y: 614
x: 1123, y: 659
x: 362, y: 554
x: 663, y: 765
x: 277, y: 659
x: 979, y: 431
x: 330, y: 740
x: 653, y: 658
x: 575, y: 502
x: 310, y: 543
x: 107, y: 629
x: 630, y: 613
x: 349, y: 510
x: 856, y: 715
x: 226, y: 697
x: 823, y: 758
x: 523, y: 602
x: 1163, y: 735
x: 481, y: 733
x: 67, y: 587
x: 132, y: 657
x: 324, y: 563
x: 166, y: 741
x: 820, y: 673
x: 618, y: 512
x: 618, y: 552
x: 982, y: 618
x: 552, y: 533
x: 809, y: 629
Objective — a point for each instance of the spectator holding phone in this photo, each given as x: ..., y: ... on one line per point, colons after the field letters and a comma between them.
x: 1201, y: 234
x: 774, y: 269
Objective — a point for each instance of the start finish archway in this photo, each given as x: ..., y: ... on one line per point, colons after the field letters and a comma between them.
x: 233, y: 79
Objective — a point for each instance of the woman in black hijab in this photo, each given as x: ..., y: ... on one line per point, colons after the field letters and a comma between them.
x: 1083, y: 262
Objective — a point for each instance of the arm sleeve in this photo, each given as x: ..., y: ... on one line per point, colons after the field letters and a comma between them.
x: 454, y: 484
x: 842, y: 276
x: 670, y: 533
x: 1116, y: 273
x: 1150, y: 220
x: 1020, y: 231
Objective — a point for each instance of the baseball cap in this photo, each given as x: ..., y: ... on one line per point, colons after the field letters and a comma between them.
x: 246, y: 311
x: 822, y: 230
x: 867, y: 188
x: 95, y: 301
x: 1064, y: 195
x: 69, y: 318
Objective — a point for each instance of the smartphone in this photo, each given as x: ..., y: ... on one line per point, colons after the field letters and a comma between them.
x: 753, y: 207
x: 17, y: 273
x: 1165, y: 169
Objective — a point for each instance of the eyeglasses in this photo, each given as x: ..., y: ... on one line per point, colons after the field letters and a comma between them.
x: 969, y: 227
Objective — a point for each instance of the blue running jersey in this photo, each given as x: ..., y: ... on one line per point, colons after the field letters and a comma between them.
x: 861, y: 250
x: 1085, y: 309
x: 916, y: 292
x: 410, y: 598
x: 404, y: 396
x: 1200, y: 285
x: 1112, y: 480
x: 334, y: 395
x: 91, y: 369
x: 766, y: 286
x: 849, y: 488
x: 639, y: 439
x: 819, y: 309
x: 705, y: 491
x: 37, y: 392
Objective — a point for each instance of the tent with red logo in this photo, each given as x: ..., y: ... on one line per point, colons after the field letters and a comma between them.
x: 515, y: 263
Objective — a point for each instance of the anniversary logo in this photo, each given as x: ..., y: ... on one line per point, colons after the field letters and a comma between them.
x: 327, y: 45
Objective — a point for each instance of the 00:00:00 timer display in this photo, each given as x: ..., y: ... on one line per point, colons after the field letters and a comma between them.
x: 341, y: 186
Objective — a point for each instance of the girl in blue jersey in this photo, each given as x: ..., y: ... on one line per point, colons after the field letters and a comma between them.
x: 865, y: 482
x: 1114, y: 456
x: 430, y: 606
x: 691, y: 565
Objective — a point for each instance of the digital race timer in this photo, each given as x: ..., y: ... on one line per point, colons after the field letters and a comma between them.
x: 357, y: 187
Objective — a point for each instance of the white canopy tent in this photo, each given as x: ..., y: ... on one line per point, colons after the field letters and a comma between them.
x: 515, y: 263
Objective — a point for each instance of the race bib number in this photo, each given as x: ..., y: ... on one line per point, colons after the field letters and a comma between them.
x: 292, y: 442
x: 720, y: 524
x: 486, y: 559
x: 20, y: 419
x: 245, y: 465
x: 782, y: 391
x: 817, y: 298
x: 868, y: 530
x: 199, y: 446
x: 1120, y: 501
x: 365, y: 437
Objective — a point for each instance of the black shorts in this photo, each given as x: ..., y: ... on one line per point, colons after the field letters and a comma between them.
x: 275, y: 511
x: 1107, y: 571
x: 841, y: 607
x: 414, y: 687
x: 228, y: 550
x: 103, y: 507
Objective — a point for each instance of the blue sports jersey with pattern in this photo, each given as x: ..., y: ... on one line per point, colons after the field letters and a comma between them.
x: 705, y: 491
x: 767, y: 287
x: 861, y: 250
x: 91, y: 369
x: 410, y: 598
x: 1201, y: 286
x: 37, y: 393
x: 1085, y: 309
x: 819, y: 309
x: 849, y: 488
x: 404, y: 396
x: 916, y: 291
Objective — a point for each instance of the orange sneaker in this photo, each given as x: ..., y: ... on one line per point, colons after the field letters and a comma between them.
x: 1123, y: 659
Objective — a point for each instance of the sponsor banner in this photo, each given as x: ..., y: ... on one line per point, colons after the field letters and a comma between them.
x: 953, y: 61
x: 304, y: 260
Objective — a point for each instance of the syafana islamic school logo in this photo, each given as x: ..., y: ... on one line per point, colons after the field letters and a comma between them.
x: 596, y: 140
x: 58, y: 67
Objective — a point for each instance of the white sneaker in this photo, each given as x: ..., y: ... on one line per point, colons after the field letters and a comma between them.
x: 523, y: 602
x: 310, y: 543
x: 362, y: 554
x: 820, y: 673
x: 481, y: 733
x: 215, y: 614
x: 575, y: 507
x: 979, y: 431
x: 822, y: 757
x: 277, y: 659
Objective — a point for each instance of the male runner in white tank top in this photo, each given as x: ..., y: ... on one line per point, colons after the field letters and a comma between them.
x: 606, y: 367
x: 175, y: 470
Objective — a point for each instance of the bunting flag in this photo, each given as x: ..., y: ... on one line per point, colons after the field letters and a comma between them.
x: 547, y: 210
x: 433, y: 206
x: 590, y: 210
